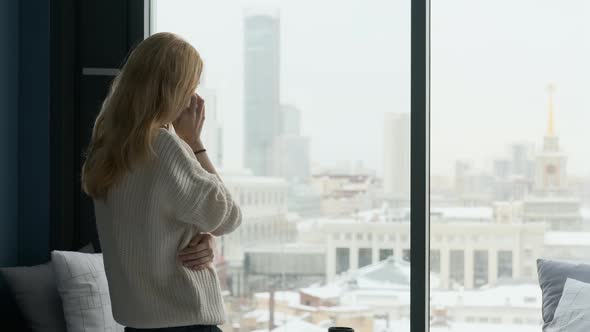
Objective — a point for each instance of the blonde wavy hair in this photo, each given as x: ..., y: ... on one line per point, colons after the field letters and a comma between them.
x: 154, y: 86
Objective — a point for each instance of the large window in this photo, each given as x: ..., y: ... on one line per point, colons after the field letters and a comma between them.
x: 480, y: 268
x: 435, y: 260
x: 385, y: 253
x: 308, y: 119
x: 342, y: 260
x: 504, y: 264
x: 457, y: 269
x: 309, y: 101
x: 509, y: 160
x: 365, y: 257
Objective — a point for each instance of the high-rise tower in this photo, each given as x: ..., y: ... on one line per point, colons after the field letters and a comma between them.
x: 261, y: 90
x: 396, y: 156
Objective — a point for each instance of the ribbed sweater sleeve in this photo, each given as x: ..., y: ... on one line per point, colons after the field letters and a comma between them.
x: 196, y: 196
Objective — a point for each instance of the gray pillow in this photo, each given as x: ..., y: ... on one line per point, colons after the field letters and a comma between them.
x: 552, y: 278
x: 88, y: 249
x: 572, y: 312
x: 35, y: 291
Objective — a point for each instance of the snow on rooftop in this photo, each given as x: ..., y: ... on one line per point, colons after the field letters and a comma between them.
x: 307, y: 225
x: 477, y: 214
x: 298, y: 325
x: 303, y: 307
x: 251, y: 179
x: 468, y: 327
x: 567, y: 238
x: 517, y: 296
x: 346, y: 308
x: 368, y: 287
x: 514, y: 296
x: 391, y: 273
x: 263, y: 316
x: 287, y: 248
x: 404, y: 326
x: 390, y: 277
x: 380, y: 325
x: 291, y: 298
x: 330, y: 291
x: 551, y: 199
x: 388, y: 297
x: 464, y: 213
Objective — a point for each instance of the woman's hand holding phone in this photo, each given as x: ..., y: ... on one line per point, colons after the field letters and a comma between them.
x: 189, y: 124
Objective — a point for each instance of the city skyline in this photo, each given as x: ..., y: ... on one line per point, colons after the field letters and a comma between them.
x: 316, y: 81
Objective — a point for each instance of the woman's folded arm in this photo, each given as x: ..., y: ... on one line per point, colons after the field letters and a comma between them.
x: 195, y: 196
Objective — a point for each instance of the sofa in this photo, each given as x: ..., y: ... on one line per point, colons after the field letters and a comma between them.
x: 12, y: 317
x: 31, y: 297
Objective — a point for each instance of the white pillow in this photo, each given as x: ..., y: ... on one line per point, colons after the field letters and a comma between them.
x: 82, y: 285
x: 573, y: 311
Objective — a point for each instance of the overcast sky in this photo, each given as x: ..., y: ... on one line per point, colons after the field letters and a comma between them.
x: 345, y: 63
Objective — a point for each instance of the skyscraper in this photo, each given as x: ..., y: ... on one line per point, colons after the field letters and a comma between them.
x: 291, y: 150
x: 212, y: 131
x: 396, y: 156
x: 261, y: 90
x: 290, y: 118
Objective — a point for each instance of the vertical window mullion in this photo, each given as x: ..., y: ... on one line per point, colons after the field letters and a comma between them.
x: 420, y: 166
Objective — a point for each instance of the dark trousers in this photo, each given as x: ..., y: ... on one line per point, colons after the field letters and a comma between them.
x: 192, y: 328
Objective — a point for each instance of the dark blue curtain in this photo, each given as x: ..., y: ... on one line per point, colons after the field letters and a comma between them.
x: 24, y: 131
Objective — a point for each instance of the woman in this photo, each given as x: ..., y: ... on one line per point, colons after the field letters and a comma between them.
x: 155, y: 189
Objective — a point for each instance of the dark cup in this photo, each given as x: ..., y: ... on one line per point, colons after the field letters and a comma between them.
x: 340, y: 329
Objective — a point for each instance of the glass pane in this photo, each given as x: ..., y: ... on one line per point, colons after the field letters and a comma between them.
x: 510, y: 164
x: 308, y: 120
x: 342, y: 260
x: 385, y: 253
x: 480, y: 268
x: 365, y: 257
x: 435, y: 261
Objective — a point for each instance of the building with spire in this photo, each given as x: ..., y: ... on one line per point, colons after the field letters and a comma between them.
x: 551, y: 200
x: 550, y: 172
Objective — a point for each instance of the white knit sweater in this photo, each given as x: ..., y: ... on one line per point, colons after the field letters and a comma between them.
x: 146, y: 219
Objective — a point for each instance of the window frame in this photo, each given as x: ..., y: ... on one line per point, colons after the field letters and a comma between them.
x: 420, y: 167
